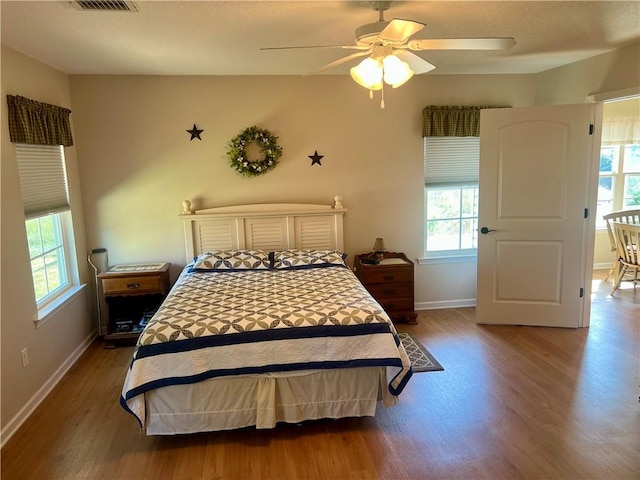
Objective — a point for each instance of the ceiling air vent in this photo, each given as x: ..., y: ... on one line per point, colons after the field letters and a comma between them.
x: 107, y: 5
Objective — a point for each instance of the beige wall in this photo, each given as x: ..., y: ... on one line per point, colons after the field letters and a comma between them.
x: 610, y: 72
x: 138, y: 163
x: 622, y: 108
x: 54, y: 343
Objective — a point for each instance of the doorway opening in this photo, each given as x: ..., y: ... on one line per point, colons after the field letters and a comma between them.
x: 619, y: 170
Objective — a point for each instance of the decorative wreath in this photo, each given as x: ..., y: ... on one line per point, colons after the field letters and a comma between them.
x: 268, y: 145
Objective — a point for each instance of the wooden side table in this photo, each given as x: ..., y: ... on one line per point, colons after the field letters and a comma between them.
x: 129, y: 295
x: 391, y: 284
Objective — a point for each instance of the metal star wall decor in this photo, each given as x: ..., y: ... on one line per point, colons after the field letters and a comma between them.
x: 315, y: 158
x: 195, y: 133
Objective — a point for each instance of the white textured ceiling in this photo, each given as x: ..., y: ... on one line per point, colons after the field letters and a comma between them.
x: 224, y: 37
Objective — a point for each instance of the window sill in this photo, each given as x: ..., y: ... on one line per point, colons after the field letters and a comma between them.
x: 50, y: 309
x: 448, y: 259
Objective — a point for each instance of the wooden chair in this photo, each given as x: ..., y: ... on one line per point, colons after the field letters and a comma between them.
x: 622, y: 216
x: 628, y: 247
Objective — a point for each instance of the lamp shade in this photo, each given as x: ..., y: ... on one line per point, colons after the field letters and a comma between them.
x: 368, y: 73
x: 378, y: 245
x: 396, y: 72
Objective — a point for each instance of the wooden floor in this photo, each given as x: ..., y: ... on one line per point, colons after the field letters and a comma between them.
x: 512, y: 402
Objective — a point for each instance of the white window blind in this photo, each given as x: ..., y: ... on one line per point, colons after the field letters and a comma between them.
x: 451, y: 160
x: 43, y: 179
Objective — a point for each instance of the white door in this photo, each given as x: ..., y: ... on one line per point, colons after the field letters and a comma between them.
x: 538, y: 179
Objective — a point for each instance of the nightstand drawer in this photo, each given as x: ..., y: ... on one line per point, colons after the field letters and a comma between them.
x: 382, y: 290
x: 398, y: 304
x: 388, y: 275
x: 132, y: 285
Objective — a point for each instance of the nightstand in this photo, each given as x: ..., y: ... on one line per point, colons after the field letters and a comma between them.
x: 391, y: 284
x: 130, y: 294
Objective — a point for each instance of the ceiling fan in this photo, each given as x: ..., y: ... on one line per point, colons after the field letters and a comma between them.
x: 388, y: 47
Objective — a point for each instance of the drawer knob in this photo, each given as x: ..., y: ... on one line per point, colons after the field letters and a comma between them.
x: 388, y: 277
x: 388, y: 291
x: 133, y: 285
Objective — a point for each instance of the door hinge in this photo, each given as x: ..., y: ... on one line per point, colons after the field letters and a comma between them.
x: 586, y: 213
x: 581, y: 292
x: 591, y: 129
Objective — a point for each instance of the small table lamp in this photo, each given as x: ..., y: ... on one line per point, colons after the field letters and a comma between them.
x: 378, y: 245
x: 379, y: 248
x: 377, y: 254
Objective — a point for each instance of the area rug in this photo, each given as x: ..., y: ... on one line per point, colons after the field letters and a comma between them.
x: 421, y: 359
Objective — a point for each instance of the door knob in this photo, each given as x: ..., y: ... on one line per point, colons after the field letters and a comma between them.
x: 485, y: 230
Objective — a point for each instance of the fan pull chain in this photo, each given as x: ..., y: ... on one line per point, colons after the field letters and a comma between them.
x: 371, y: 94
x: 382, y: 99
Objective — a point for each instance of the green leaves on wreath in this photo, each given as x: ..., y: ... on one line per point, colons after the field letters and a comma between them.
x: 268, y: 144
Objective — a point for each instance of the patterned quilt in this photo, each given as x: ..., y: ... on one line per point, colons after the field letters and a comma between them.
x: 215, y: 324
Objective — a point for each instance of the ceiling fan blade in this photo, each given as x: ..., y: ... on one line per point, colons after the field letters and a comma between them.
x: 497, y: 43
x: 348, y: 47
x: 340, y: 61
x: 399, y: 30
x: 417, y: 64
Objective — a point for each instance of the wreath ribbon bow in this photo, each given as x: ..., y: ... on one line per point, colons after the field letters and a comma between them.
x: 269, y: 147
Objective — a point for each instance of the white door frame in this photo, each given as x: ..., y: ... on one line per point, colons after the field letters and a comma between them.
x: 614, y: 95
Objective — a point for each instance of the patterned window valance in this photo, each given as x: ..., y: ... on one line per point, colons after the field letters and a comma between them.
x: 446, y: 121
x: 38, y: 123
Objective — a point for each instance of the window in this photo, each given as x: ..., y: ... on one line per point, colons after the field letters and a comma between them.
x: 451, y: 196
x: 48, y: 220
x: 619, y: 182
x: 48, y: 258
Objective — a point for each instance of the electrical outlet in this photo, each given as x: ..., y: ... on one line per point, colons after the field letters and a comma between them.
x: 25, y: 357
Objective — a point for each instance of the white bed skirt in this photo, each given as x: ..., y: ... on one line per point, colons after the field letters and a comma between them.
x: 264, y: 400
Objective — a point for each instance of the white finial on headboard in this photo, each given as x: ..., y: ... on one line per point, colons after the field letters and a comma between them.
x: 186, y: 208
x: 337, y: 202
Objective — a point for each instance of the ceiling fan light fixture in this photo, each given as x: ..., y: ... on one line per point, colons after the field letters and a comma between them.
x: 396, y: 72
x: 368, y: 73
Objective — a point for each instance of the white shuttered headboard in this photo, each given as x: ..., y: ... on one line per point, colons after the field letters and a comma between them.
x: 271, y: 226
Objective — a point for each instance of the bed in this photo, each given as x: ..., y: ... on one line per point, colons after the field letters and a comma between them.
x: 265, y: 324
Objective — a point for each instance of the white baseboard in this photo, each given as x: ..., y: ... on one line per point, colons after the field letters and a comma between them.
x: 459, y: 303
x: 12, y: 426
x: 602, y: 266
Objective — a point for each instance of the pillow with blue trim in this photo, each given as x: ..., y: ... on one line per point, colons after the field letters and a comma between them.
x: 226, y: 260
x: 297, y: 259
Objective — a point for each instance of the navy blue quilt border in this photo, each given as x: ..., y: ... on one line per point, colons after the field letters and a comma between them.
x: 214, y: 373
x: 196, y: 343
